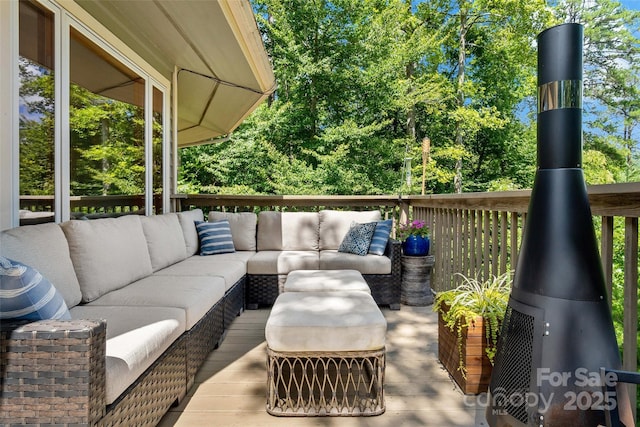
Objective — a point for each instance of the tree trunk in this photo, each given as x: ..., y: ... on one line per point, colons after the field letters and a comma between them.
x: 411, y: 114
x: 462, y: 57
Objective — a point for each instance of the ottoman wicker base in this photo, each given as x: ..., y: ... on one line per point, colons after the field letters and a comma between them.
x: 325, y: 384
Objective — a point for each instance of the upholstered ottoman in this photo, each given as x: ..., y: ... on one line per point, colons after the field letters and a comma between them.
x: 325, y: 280
x: 325, y: 354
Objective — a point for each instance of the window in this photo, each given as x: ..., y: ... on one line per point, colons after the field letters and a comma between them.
x: 107, y: 158
x: 36, y: 113
x: 107, y: 130
x: 158, y: 158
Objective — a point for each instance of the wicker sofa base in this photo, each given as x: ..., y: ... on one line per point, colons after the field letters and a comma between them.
x: 234, y: 301
x: 302, y: 384
x: 385, y: 289
x: 263, y: 289
x: 64, y: 384
x: 150, y: 397
x: 202, y: 338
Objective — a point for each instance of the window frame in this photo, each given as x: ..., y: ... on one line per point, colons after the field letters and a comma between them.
x: 66, y: 16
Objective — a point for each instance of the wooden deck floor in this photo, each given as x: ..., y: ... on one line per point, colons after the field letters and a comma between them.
x: 230, y: 388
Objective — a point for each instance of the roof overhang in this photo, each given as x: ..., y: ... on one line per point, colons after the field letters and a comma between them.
x: 223, y: 73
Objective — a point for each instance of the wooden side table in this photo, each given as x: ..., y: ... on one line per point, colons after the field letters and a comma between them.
x: 416, y: 280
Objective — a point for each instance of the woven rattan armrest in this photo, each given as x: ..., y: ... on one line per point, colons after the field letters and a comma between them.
x: 385, y: 288
x: 394, y: 250
x: 52, y: 372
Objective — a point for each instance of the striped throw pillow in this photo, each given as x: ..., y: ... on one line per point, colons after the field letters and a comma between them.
x: 380, y: 237
x: 26, y: 294
x: 215, y: 237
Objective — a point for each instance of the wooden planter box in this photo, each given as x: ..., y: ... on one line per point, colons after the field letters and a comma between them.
x: 473, y: 354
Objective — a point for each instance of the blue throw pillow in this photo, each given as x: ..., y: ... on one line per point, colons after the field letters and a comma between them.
x: 215, y: 237
x: 358, y: 239
x: 26, y: 294
x: 380, y: 237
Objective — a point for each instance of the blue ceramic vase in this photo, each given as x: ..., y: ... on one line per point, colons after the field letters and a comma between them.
x: 415, y: 246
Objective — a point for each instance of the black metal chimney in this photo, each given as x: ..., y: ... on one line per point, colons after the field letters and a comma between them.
x: 557, y: 330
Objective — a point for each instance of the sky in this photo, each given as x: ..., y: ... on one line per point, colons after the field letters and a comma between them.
x: 631, y: 4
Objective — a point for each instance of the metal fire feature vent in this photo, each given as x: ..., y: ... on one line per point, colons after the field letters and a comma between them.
x: 515, y: 353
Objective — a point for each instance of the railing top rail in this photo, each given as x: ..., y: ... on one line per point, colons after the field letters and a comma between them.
x: 512, y: 201
x: 606, y: 200
x: 287, y: 200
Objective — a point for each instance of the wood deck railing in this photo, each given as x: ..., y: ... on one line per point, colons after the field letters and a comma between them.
x: 474, y: 234
x: 479, y: 234
x: 86, y: 204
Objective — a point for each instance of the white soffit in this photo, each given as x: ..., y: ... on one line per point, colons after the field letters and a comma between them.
x: 224, y: 72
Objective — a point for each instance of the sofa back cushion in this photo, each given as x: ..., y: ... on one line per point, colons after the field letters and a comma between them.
x: 188, y: 223
x: 288, y: 231
x: 107, y: 254
x: 334, y: 225
x: 165, y: 240
x: 27, y: 294
x: 44, y: 247
x: 243, y: 228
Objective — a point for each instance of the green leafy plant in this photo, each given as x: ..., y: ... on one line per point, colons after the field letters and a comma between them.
x: 459, y: 308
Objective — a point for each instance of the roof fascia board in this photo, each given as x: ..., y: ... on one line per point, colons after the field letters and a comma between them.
x: 114, y: 42
x: 239, y: 15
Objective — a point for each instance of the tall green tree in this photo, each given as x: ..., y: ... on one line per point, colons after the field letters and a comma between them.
x: 361, y: 83
x: 611, y: 85
x: 490, y: 61
x: 346, y: 92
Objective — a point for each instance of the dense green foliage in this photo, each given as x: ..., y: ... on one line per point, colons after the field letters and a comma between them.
x: 362, y: 83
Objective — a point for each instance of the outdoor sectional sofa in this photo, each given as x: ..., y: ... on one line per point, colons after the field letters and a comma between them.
x: 288, y: 241
x: 146, y: 309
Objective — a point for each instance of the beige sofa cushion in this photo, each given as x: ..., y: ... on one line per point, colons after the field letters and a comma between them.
x: 107, y: 253
x: 188, y: 223
x: 231, y: 271
x: 282, y: 262
x: 242, y: 256
x: 44, y: 247
x: 289, y: 231
x: 243, y: 228
x: 195, y: 295
x: 165, y: 239
x: 136, y: 337
x: 325, y: 281
x: 325, y: 321
x: 334, y: 225
x: 368, y: 264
